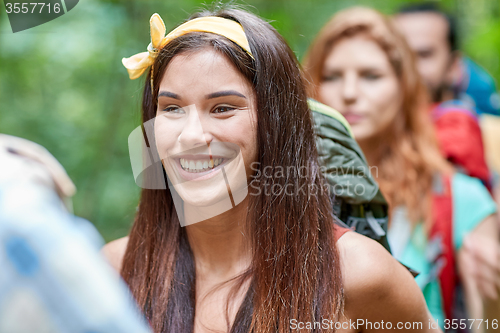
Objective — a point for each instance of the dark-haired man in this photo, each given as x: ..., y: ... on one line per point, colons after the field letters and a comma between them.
x: 431, y: 33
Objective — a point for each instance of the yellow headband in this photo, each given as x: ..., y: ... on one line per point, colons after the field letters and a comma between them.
x: 137, y: 64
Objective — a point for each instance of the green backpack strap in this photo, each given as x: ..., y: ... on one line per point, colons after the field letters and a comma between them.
x: 316, y: 106
x: 357, y: 200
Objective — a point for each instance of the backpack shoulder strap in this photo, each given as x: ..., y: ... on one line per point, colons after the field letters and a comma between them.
x: 456, y: 107
x: 328, y: 111
x: 442, y: 232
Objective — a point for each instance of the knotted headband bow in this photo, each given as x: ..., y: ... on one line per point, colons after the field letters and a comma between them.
x: 137, y: 64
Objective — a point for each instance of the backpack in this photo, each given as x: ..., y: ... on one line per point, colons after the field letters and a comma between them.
x: 444, y: 261
x: 460, y: 139
x: 358, y: 203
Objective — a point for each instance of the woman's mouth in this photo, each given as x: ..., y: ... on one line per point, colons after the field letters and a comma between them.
x: 353, y: 118
x: 203, y: 167
x: 200, y: 165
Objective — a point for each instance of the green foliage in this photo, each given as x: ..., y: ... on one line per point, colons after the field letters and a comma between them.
x: 62, y: 84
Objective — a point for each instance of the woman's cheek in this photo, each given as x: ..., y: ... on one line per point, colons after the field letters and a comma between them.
x: 329, y: 94
x: 165, y: 137
x: 392, y: 104
x: 364, y: 129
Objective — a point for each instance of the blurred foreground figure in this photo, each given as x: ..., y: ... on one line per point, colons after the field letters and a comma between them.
x: 52, y: 278
x: 460, y: 89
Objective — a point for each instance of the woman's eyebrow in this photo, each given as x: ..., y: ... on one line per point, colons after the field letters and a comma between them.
x: 332, y: 70
x: 224, y: 93
x: 169, y: 94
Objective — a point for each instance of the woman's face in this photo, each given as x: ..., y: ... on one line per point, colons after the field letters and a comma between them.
x: 359, y: 81
x: 205, y: 127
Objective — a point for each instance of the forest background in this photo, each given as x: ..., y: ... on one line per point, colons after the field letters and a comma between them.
x: 62, y: 84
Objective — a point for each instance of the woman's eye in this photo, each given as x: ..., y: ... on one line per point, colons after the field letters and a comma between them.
x: 223, y: 108
x: 173, y: 109
x: 332, y: 77
x: 371, y: 76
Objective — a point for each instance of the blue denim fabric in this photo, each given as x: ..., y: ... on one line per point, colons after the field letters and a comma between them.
x: 52, y: 275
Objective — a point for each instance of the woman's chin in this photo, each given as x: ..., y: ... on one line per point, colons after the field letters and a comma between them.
x: 203, y: 197
x: 361, y: 133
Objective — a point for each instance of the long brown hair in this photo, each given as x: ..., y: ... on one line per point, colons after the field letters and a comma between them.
x: 295, y: 272
x: 409, y: 156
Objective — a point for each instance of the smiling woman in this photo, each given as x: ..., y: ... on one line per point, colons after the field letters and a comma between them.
x: 230, y: 108
x: 205, y: 137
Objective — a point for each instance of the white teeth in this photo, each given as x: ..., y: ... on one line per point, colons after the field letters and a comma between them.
x: 200, y: 165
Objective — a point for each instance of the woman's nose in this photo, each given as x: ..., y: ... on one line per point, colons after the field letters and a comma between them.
x: 194, y: 130
x: 350, y: 88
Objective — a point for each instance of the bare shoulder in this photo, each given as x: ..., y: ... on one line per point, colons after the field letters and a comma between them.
x: 366, y: 265
x: 114, y: 252
x: 377, y: 287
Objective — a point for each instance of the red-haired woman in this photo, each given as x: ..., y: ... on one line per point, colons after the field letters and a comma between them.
x: 226, y: 94
x: 359, y: 65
